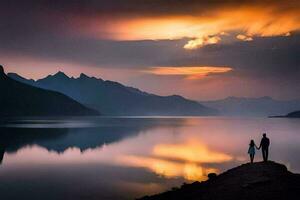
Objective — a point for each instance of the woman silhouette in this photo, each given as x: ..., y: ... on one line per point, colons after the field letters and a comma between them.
x: 251, y: 150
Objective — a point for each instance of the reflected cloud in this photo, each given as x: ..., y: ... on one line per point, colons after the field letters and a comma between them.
x: 178, y: 160
x: 169, y: 169
x: 191, y: 152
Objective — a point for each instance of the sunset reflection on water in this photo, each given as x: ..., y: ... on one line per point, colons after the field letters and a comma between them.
x: 179, y: 160
x: 134, y: 157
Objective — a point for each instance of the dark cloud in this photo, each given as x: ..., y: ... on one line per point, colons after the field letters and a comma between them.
x: 263, y: 57
x: 151, y: 7
x: 272, y: 56
x: 41, y: 30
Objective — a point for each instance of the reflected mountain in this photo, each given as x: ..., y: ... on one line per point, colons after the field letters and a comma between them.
x: 59, y: 140
x: 12, y: 139
x: 21, y: 134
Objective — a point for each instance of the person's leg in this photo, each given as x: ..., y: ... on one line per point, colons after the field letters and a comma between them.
x: 267, y: 153
x: 264, y: 154
x: 251, y: 158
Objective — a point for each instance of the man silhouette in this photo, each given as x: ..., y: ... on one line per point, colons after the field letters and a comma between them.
x: 264, y: 145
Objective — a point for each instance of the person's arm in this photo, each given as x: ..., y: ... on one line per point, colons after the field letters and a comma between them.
x: 257, y: 147
x: 260, y: 145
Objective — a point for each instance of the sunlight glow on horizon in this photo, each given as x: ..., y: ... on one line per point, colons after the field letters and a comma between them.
x: 190, y: 72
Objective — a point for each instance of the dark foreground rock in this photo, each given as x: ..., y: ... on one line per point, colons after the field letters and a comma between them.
x: 258, y: 181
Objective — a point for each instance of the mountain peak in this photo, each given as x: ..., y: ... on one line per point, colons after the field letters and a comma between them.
x: 83, y: 76
x: 60, y: 74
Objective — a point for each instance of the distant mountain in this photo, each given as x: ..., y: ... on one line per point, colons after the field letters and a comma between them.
x: 113, y: 98
x: 19, y: 99
x: 263, y: 106
x: 295, y: 114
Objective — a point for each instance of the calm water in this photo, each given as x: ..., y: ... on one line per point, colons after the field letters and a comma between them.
x: 124, y: 158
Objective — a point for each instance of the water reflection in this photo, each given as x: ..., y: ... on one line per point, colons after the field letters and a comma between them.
x: 59, y: 135
x: 127, y: 158
x: 169, y: 169
x: 179, y: 160
x: 192, y: 151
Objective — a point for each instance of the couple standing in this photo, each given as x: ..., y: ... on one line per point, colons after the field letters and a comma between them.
x: 264, y: 145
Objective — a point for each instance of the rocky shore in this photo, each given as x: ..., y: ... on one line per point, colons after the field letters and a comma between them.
x: 257, y: 181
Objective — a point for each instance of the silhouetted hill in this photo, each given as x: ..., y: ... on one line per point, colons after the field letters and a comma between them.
x: 263, y: 106
x: 259, y: 181
x: 113, y: 98
x: 19, y: 99
x: 295, y: 114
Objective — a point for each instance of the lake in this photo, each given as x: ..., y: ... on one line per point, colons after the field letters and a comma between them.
x: 126, y: 158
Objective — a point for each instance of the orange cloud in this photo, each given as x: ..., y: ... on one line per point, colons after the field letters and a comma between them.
x: 202, y: 29
x: 200, y: 42
x: 244, y: 37
x: 189, y: 72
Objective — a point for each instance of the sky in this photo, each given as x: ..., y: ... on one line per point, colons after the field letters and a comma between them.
x: 199, y: 49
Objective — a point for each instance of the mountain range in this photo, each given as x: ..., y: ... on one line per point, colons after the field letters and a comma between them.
x: 113, y: 98
x: 262, y: 106
x: 19, y: 99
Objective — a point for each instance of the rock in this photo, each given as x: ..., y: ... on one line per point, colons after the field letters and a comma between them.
x: 212, y: 176
x: 259, y: 181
